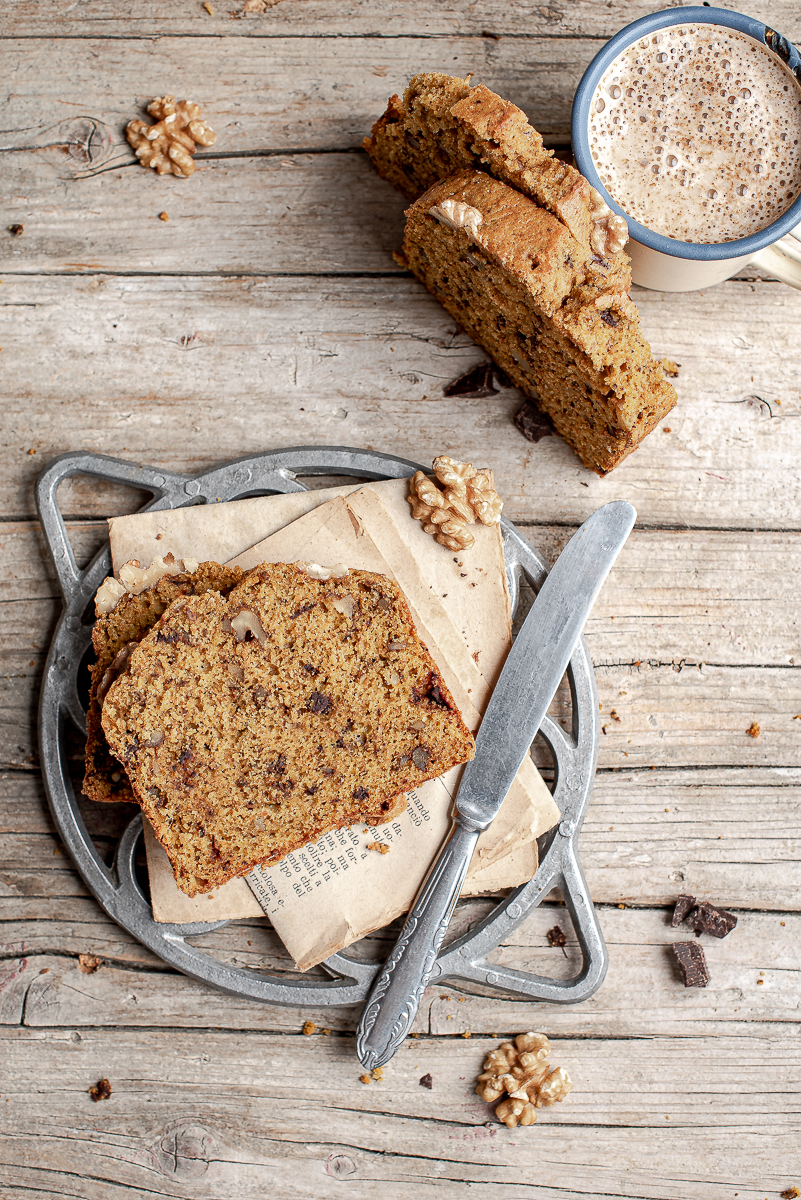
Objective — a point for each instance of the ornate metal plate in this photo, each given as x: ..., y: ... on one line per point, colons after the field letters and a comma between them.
x: 116, y: 889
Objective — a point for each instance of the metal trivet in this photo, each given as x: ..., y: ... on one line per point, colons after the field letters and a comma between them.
x: 116, y: 889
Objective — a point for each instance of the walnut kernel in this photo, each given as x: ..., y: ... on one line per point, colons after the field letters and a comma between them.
x: 520, y: 1070
x: 135, y: 579
x: 463, y: 496
x: 168, y: 145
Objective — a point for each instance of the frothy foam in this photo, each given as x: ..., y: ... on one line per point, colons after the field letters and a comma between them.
x: 696, y: 133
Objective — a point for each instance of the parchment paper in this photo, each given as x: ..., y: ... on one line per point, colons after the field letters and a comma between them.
x: 328, y: 895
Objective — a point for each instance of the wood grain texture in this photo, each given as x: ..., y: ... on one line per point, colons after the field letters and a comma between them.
x: 138, y: 367
x: 224, y: 1120
x: 754, y: 977
x: 290, y: 93
x: 374, y: 19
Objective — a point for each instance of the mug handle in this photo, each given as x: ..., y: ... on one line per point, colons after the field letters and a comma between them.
x: 782, y: 260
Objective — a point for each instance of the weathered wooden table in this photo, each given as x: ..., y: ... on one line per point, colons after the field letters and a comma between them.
x: 268, y: 311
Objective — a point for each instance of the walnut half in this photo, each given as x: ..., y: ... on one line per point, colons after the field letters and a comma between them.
x: 168, y: 145
x: 457, y: 497
x: 519, y: 1069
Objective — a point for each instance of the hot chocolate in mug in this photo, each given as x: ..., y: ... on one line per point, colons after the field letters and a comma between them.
x: 690, y: 119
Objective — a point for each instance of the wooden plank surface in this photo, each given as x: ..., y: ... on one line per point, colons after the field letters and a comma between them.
x: 754, y: 977
x: 393, y: 1138
x: 237, y: 366
x: 268, y: 311
x: 285, y: 93
x: 373, y: 19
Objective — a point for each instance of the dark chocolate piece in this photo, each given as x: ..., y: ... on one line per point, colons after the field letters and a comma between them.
x: 533, y: 424
x: 707, y: 918
x: 100, y: 1090
x: 426, y: 1082
x: 683, y: 906
x: 476, y: 382
x: 692, y: 964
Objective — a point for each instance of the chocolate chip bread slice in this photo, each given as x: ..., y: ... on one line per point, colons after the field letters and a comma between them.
x: 506, y: 271
x: 253, y: 724
x: 442, y: 126
x: 114, y: 636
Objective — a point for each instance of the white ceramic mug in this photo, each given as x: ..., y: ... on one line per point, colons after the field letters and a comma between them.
x: 664, y: 263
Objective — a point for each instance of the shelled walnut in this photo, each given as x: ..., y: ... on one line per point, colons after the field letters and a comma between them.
x: 519, y: 1069
x: 168, y: 145
x: 457, y: 497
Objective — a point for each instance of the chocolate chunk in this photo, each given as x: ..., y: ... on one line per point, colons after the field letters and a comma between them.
x: 431, y: 692
x: 131, y: 749
x: 556, y: 936
x: 100, y: 1090
x: 692, y: 964
x: 532, y: 423
x: 607, y: 318
x: 318, y: 703
x: 310, y: 670
x: 683, y: 906
x: 426, y: 1082
x: 277, y: 767
x: 177, y: 635
x: 707, y: 918
x: 360, y: 793
x: 476, y: 382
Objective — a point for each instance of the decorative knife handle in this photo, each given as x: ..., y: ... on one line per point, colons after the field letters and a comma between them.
x: 396, y: 994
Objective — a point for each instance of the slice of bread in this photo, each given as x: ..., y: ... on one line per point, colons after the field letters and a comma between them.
x: 442, y: 126
x: 113, y: 637
x: 253, y: 724
x: 511, y: 276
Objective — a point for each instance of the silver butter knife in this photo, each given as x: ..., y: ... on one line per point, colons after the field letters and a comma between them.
x: 534, y: 667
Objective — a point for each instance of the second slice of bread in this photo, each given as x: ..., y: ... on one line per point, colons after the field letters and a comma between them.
x: 253, y: 724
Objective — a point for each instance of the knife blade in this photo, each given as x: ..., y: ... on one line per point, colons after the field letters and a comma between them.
x: 531, y: 674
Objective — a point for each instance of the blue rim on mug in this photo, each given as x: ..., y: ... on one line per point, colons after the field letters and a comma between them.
x: 773, y: 41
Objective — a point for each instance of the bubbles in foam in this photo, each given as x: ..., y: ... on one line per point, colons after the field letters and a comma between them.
x: 695, y: 132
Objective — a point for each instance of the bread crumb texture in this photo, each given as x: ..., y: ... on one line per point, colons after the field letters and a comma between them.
x: 113, y: 636
x: 252, y: 724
